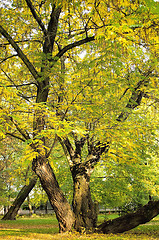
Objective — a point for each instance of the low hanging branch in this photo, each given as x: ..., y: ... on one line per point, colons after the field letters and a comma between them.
x: 131, y: 220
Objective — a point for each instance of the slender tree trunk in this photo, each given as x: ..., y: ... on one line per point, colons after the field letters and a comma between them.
x: 62, y: 208
x: 46, y: 210
x: 84, y: 208
x: 30, y: 206
x: 131, y: 220
x: 13, y: 210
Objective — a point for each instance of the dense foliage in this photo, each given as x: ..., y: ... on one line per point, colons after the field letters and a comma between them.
x: 82, y: 74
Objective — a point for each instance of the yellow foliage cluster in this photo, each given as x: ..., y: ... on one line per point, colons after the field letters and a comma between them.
x: 91, y: 84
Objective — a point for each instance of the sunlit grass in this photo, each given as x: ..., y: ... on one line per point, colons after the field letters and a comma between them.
x: 46, y: 228
x: 104, y: 217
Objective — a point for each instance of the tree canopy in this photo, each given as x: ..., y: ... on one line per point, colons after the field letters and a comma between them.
x: 84, y: 74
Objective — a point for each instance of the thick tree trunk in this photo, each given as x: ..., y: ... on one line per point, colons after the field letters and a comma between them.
x: 131, y: 220
x: 84, y: 208
x: 13, y: 210
x: 62, y: 208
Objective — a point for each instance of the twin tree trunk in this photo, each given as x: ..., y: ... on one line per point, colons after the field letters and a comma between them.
x: 85, y: 214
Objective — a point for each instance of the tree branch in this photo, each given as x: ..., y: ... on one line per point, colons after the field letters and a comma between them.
x: 136, y: 96
x: 8, y: 77
x: 21, y: 85
x: 92, y: 159
x: 16, y: 86
x: 43, y: 86
x: 51, y: 30
x: 69, y: 147
x: 26, y: 40
x: 36, y: 17
x: 67, y: 154
x: 15, y: 136
x: 79, y: 145
x: 8, y: 58
x: 54, y: 142
x: 20, y: 53
x: 151, y: 97
x: 130, y: 220
x: 23, y: 133
x: 70, y: 46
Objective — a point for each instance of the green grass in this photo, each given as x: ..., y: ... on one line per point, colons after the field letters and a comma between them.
x: 103, y: 217
x: 46, y: 228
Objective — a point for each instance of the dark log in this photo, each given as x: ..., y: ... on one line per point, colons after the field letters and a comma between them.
x: 131, y: 220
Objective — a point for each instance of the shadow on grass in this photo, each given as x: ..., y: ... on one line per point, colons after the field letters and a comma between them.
x: 48, y: 228
x: 26, y: 232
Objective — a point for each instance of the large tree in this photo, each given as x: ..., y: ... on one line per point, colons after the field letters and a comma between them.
x: 73, y: 72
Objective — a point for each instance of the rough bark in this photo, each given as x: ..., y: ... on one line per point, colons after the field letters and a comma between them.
x: 83, y: 206
x: 131, y: 220
x: 62, y: 208
x: 13, y: 210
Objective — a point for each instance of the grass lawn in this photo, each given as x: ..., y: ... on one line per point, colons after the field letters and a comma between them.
x: 46, y: 228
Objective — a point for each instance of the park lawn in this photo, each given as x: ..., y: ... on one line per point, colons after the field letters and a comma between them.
x: 46, y: 228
